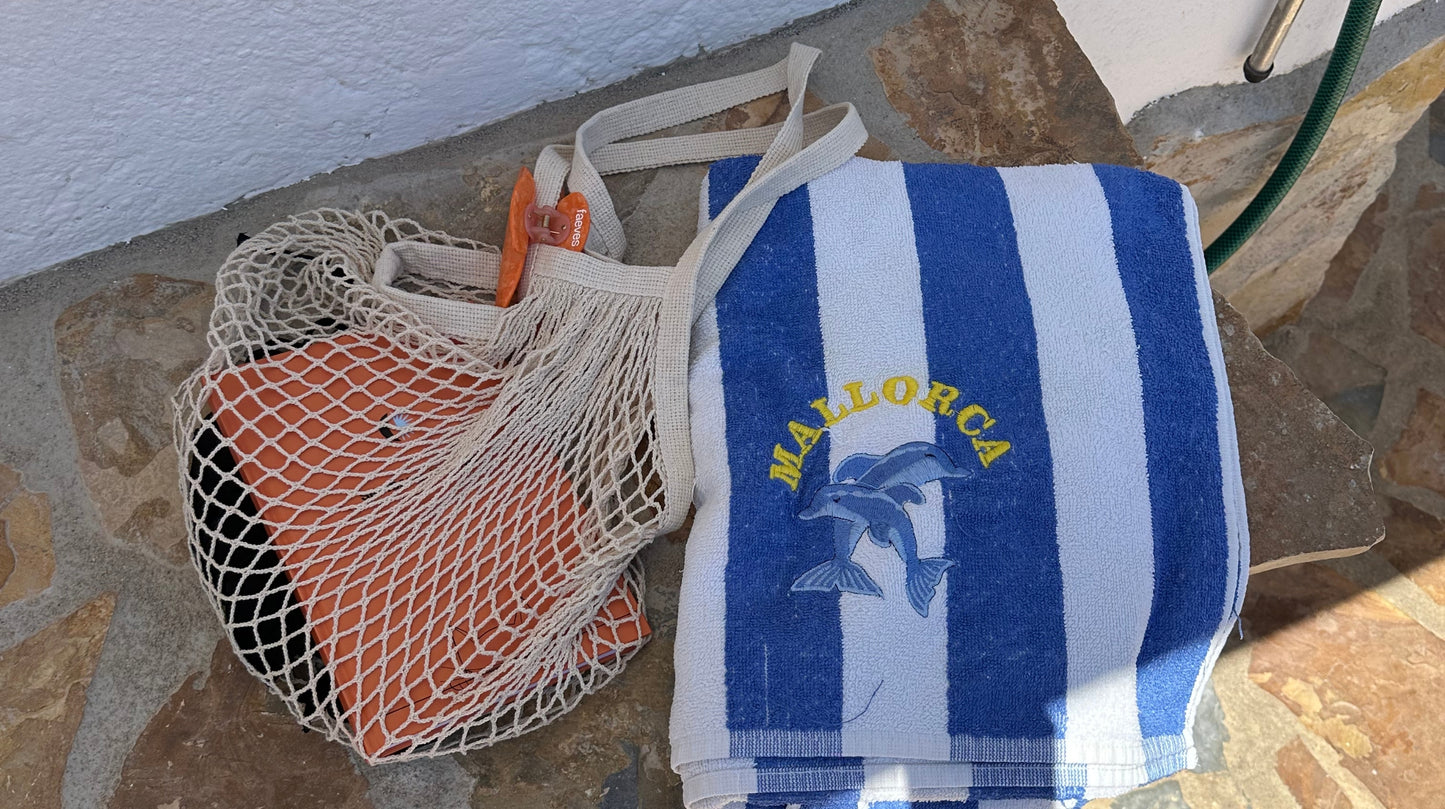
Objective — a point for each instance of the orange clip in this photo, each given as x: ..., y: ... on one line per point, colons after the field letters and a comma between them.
x: 514, y: 244
x: 528, y: 223
x: 574, y: 207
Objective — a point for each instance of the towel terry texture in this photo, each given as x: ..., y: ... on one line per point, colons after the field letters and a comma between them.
x: 970, y: 528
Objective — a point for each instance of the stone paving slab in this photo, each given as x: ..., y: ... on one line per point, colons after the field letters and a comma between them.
x: 154, y: 710
x: 1306, y: 475
x: 1331, y: 700
x: 43, y: 681
x: 27, y: 561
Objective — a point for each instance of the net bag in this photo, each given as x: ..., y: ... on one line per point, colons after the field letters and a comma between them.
x: 416, y: 513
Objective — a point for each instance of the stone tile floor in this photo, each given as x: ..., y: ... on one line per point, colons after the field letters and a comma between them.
x: 116, y: 690
x: 1333, y: 697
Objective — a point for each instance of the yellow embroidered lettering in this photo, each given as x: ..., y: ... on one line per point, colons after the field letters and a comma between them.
x: 805, y: 436
x: 788, y: 468
x: 787, y: 474
x: 968, y: 413
x: 830, y: 418
x: 989, y: 451
x: 910, y: 389
x: 939, y: 399
x: 855, y: 392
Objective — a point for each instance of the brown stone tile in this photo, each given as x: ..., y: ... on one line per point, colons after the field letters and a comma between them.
x: 1185, y: 790
x: 1000, y: 84
x: 1283, y: 265
x: 1415, y: 544
x: 615, y: 742
x: 9, y: 482
x: 42, y: 696
x: 1358, y: 673
x: 615, y: 739
x: 1437, y: 132
x: 1306, y: 475
x: 1418, y: 457
x: 27, y: 561
x: 222, y: 745
x: 774, y: 108
x: 658, y: 207
x: 1351, y: 385
x: 1427, y: 283
x: 1359, y: 408
x: 7, y: 557
x: 1257, y: 726
x: 121, y: 354
x: 1222, y: 171
x: 1165, y: 794
x: 1215, y: 790
x: 1430, y: 197
x: 1346, y: 267
x: 1307, y: 780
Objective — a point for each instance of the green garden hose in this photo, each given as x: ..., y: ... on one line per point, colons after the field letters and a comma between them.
x: 1354, y: 33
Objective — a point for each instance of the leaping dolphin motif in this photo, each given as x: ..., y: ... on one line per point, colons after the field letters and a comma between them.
x: 868, y: 495
x: 914, y: 463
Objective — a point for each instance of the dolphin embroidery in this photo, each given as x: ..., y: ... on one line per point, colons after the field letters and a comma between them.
x: 868, y: 495
x: 914, y: 463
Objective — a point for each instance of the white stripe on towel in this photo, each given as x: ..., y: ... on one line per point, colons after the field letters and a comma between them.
x: 700, y: 648
x: 871, y: 307
x: 1093, y: 404
x: 892, y: 780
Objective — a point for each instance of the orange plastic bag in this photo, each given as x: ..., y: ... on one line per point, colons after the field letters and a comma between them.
x: 328, y: 436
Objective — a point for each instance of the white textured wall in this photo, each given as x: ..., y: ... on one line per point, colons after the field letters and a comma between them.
x: 1147, y: 50
x: 117, y: 118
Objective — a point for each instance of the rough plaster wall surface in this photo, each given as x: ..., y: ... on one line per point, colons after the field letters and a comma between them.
x: 1146, y: 51
x: 119, y: 118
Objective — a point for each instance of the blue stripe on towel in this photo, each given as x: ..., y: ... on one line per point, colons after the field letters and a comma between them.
x: 924, y: 805
x: 1180, y: 427
x: 847, y: 799
x: 817, y: 783
x: 784, y: 654
x: 1006, y: 652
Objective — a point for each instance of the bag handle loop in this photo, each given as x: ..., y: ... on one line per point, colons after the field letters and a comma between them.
x: 597, y: 150
x: 795, y: 151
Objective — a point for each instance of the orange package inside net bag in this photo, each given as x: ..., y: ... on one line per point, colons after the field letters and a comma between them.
x: 417, y: 597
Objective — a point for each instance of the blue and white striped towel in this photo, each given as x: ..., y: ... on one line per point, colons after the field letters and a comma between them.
x: 970, y: 522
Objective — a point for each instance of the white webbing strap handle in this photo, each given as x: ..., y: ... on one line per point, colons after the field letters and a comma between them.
x: 795, y: 151
x: 701, y: 273
x: 596, y: 150
x: 777, y: 141
x: 619, y: 158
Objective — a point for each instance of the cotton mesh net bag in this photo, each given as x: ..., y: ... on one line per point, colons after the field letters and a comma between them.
x: 416, y: 513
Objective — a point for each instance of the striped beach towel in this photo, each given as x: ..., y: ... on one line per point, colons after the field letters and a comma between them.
x: 970, y: 524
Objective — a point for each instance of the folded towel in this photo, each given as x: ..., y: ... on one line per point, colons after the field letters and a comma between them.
x: 969, y: 519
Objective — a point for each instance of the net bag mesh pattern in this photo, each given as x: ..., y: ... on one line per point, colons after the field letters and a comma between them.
x: 422, y: 541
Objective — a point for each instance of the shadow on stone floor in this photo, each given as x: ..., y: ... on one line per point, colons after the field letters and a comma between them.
x: 1333, y: 699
